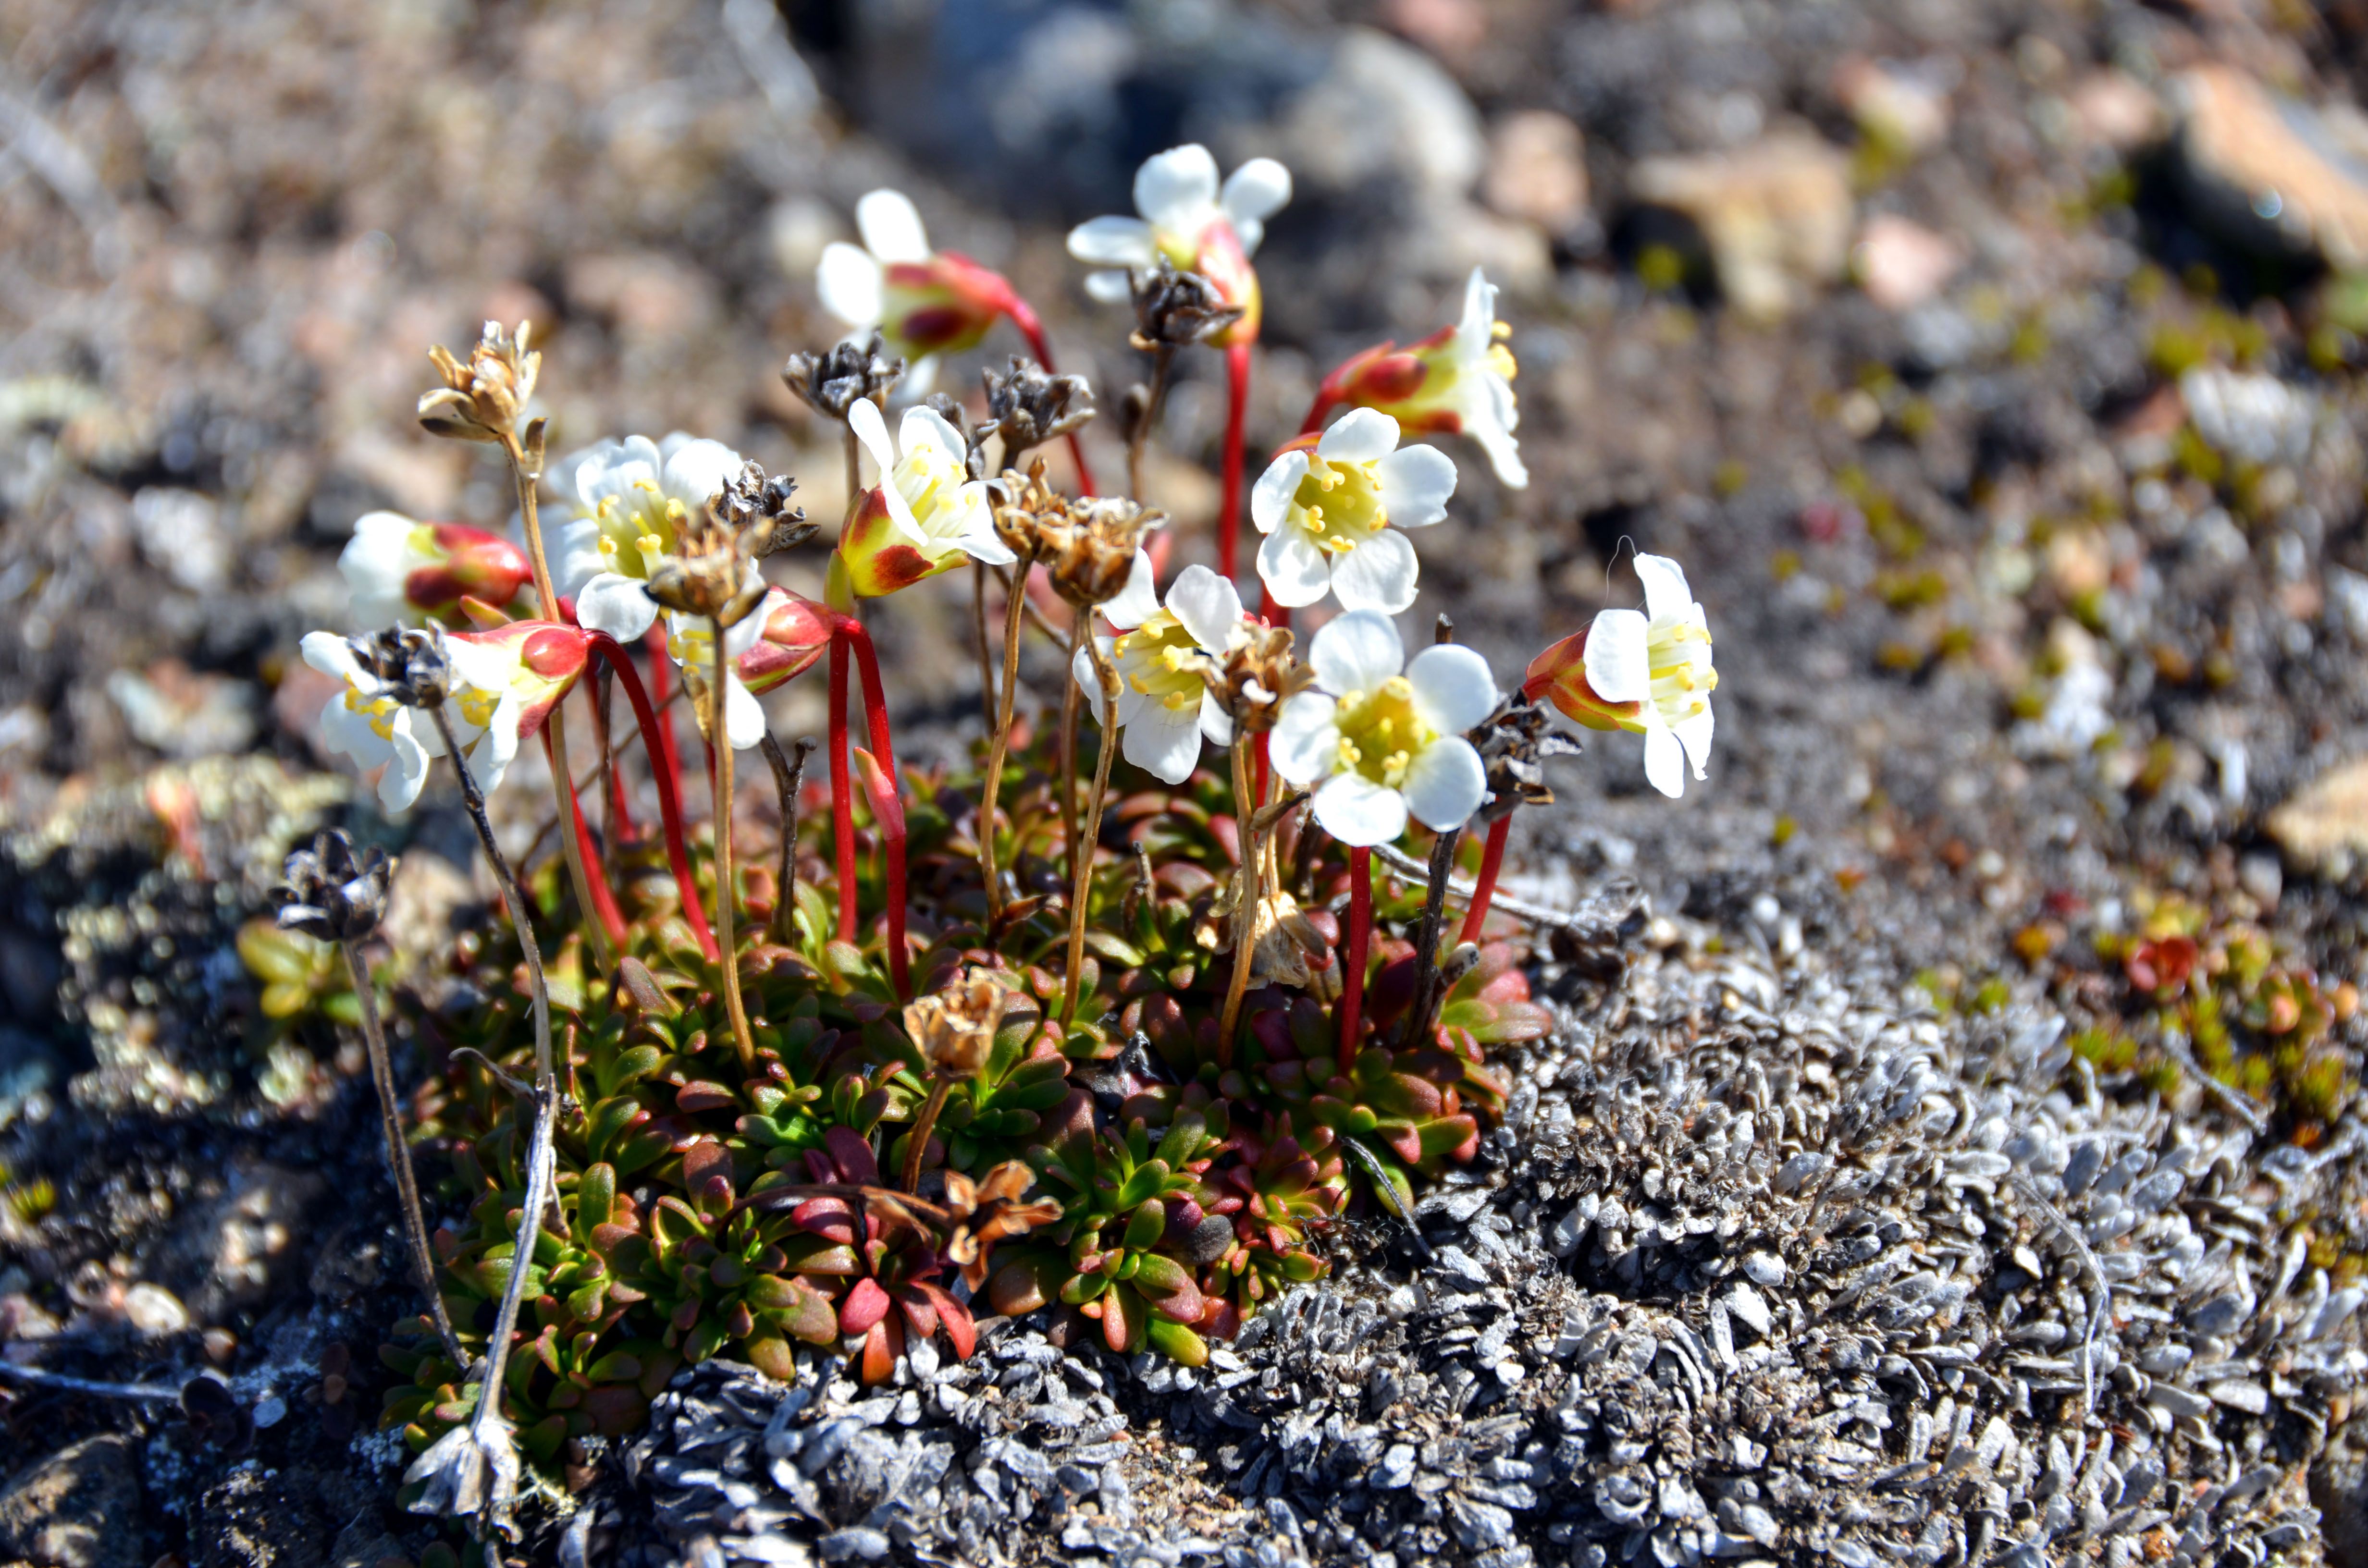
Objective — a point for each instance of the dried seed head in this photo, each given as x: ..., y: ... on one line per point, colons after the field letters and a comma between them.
x: 1091, y: 556
x: 1029, y: 407
x: 1030, y: 516
x: 1177, y: 310
x: 830, y: 382
x: 1253, y: 675
x: 1514, y: 743
x: 333, y: 894
x: 1286, y: 946
x: 955, y: 1028
x: 758, y: 509
x: 988, y: 1209
x: 949, y: 409
x: 483, y: 400
x: 409, y: 660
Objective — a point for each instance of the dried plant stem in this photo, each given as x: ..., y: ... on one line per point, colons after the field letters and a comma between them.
x: 787, y: 778
x: 1426, y: 939
x: 917, y: 1142
x: 1360, y: 940
x: 1163, y: 361
x: 1245, y: 901
x: 60, y: 1383
x: 987, y: 702
x: 546, y: 603
x: 1071, y: 699
x: 1492, y: 860
x: 538, y: 1165
x: 1091, y: 830
x: 398, y: 1151
x: 726, y: 893
x: 1000, y: 744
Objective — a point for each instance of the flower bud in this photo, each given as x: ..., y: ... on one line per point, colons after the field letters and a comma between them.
x: 1559, y: 675
x: 1029, y: 407
x: 796, y: 632
x: 403, y: 570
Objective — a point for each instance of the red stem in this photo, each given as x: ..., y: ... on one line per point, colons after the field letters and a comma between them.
x: 1360, y: 940
x: 1325, y: 402
x: 1024, y: 318
x: 1229, y: 509
x: 1492, y: 859
x: 842, y: 799
x: 663, y: 757
x: 669, y: 801
x: 892, y: 826
x: 604, y: 898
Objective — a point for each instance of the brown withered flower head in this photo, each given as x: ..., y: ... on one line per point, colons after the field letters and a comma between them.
x: 988, y: 1209
x: 830, y: 382
x: 1514, y: 743
x: 1177, y: 310
x: 409, y: 663
x: 757, y: 510
x: 1286, y: 946
x: 332, y: 893
x: 481, y: 400
x: 712, y: 572
x: 1091, y: 556
x: 1254, y: 673
x: 1030, y: 516
x: 1029, y: 407
x: 949, y: 409
x: 955, y: 1028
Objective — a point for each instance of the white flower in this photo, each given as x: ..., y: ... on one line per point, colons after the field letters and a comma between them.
x: 926, y: 516
x: 690, y: 642
x: 1165, y: 705
x: 630, y: 497
x: 1326, y: 515
x: 365, y: 722
x: 924, y: 302
x: 403, y: 572
x: 1460, y: 380
x: 1377, y: 743
x: 1660, y: 660
x: 1181, y: 204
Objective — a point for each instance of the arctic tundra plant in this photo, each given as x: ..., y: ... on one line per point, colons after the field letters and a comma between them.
x: 1076, y: 1028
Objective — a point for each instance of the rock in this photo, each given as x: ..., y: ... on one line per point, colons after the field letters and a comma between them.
x: 2339, y: 1488
x: 185, y: 713
x: 1537, y: 170
x: 2325, y: 828
x: 2253, y: 418
x: 2272, y: 173
x: 1902, y: 264
x: 2111, y: 108
x: 1775, y: 214
x: 1900, y: 105
x: 71, y: 1510
x: 225, y: 1253
x: 1382, y: 109
x: 152, y: 1309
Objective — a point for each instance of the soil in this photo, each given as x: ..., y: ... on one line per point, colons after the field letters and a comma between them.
x: 228, y: 238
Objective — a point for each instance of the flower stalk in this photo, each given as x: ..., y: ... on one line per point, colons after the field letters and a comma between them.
x: 1082, y: 852
x: 788, y: 777
x: 727, y: 886
x: 1359, y: 946
x: 654, y: 729
x: 1245, y: 899
x: 1483, y: 891
x: 1229, y: 495
x: 999, y: 747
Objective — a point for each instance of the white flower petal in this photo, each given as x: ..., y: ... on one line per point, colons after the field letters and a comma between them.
x: 919, y: 378
x: 1108, y: 288
x: 1477, y: 327
x: 1504, y: 452
x: 1695, y: 735
x: 1379, y: 575
x: 579, y: 558
x: 617, y: 604
x: 1359, y: 812
x: 332, y: 655
x: 1208, y: 606
x: 348, y: 733
x: 406, y: 771
x: 1177, y: 191
x: 851, y: 284
x: 696, y: 470
x: 1667, y: 597
x: 891, y: 227
x: 1453, y: 689
x: 1164, y: 742
x: 1356, y: 651
x: 375, y: 564
x: 1270, y: 497
x: 1089, y: 680
x: 926, y: 427
x: 1360, y: 436
x: 1251, y: 233
x: 743, y: 716
x: 1139, y: 600
x: 1216, y: 722
x: 1305, y: 743
x: 1444, y: 784
x: 871, y: 429
x: 1415, y: 483
x: 489, y: 758
x: 1664, y: 762
x: 1253, y: 193
x: 1619, y: 665
x: 747, y: 632
x: 1113, y: 242
x: 1294, y: 571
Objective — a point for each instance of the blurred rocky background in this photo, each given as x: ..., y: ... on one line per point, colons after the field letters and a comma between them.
x: 1994, y: 367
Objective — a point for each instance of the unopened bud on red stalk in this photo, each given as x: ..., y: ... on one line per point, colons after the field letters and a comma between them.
x: 1458, y: 380
x: 403, y: 572
x: 924, y: 302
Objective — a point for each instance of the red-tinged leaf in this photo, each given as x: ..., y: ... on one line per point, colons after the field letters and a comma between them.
x: 961, y: 1331
x: 830, y: 1218
x: 853, y: 1156
x: 864, y: 1307
x: 700, y: 1096
x: 920, y: 1313
x: 881, y: 1346
x: 770, y: 1354
x: 1121, y: 1318
x: 705, y: 1159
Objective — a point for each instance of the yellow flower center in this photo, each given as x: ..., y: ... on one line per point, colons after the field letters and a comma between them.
x: 1680, y: 657
x: 930, y: 480
x: 477, y: 707
x: 1340, y: 503
x: 645, y: 524
x: 1381, y: 734
x: 382, y: 712
x: 1160, y: 661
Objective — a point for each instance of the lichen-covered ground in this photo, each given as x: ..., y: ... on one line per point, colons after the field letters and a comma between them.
x: 1872, y: 1202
